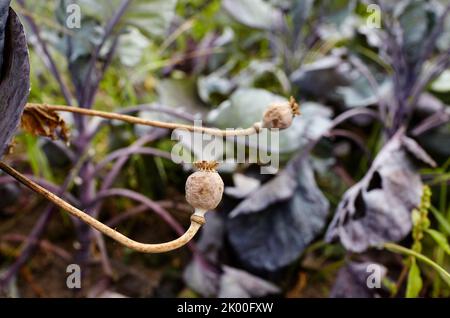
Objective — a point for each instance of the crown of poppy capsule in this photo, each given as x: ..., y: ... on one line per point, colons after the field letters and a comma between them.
x: 280, y: 115
x: 204, y: 188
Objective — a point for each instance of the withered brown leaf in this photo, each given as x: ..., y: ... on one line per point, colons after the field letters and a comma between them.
x: 11, y: 147
x: 39, y: 120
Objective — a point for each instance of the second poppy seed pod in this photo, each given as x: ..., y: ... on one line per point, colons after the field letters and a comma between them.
x: 280, y: 115
x: 204, y: 188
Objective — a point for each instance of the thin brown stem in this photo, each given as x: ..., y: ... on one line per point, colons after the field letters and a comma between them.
x: 154, y: 123
x: 197, y: 219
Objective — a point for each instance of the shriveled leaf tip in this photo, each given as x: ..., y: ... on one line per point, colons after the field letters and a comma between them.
x: 39, y: 120
x: 294, y: 106
x: 206, y: 165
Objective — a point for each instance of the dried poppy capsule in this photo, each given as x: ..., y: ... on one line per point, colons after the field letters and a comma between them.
x: 280, y: 115
x: 204, y: 188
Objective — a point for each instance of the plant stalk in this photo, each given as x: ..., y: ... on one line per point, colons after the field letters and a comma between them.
x: 197, y: 219
x: 154, y: 123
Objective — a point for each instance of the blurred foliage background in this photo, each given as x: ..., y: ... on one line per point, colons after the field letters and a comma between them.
x: 366, y: 164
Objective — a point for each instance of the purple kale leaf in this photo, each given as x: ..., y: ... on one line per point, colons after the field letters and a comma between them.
x: 4, y: 10
x: 377, y: 208
x: 15, y: 80
x: 274, y: 224
x: 222, y: 281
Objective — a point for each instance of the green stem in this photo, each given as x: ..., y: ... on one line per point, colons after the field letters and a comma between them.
x: 406, y: 251
x: 440, y: 255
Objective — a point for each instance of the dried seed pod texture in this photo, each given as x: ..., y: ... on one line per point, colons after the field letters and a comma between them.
x: 204, y: 188
x: 280, y: 115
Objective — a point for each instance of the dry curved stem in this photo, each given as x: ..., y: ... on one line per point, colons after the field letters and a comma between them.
x: 255, y: 129
x: 197, y: 219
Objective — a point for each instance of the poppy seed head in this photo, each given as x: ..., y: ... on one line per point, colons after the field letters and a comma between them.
x: 280, y: 115
x: 204, y: 188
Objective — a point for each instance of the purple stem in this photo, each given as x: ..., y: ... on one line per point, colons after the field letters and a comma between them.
x: 106, y: 64
x: 145, y: 107
x: 104, y: 255
x: 63, y: 148
x: 404, y: 76
x: 294, y: 163
x: 430, y: 43
x: 112, y: 175
x: 443, y: 61
x: 126, y: 152
x: 37, y: 231
x: 84, y: 231
x: 115, y: 221
x: 350, y: 135
x: 87, y: 99
x: 44, y: 183
x: 159, y: 108
x: 136, y: 196
x: 88, y: 192
x: 431, y: 122
x: 62, y: 253
x: 354, y: 112
x: 46, y: 56
x: 364, y: 70
x: 108, y: 31
x: 99, y: 287
x: 29, y: 246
